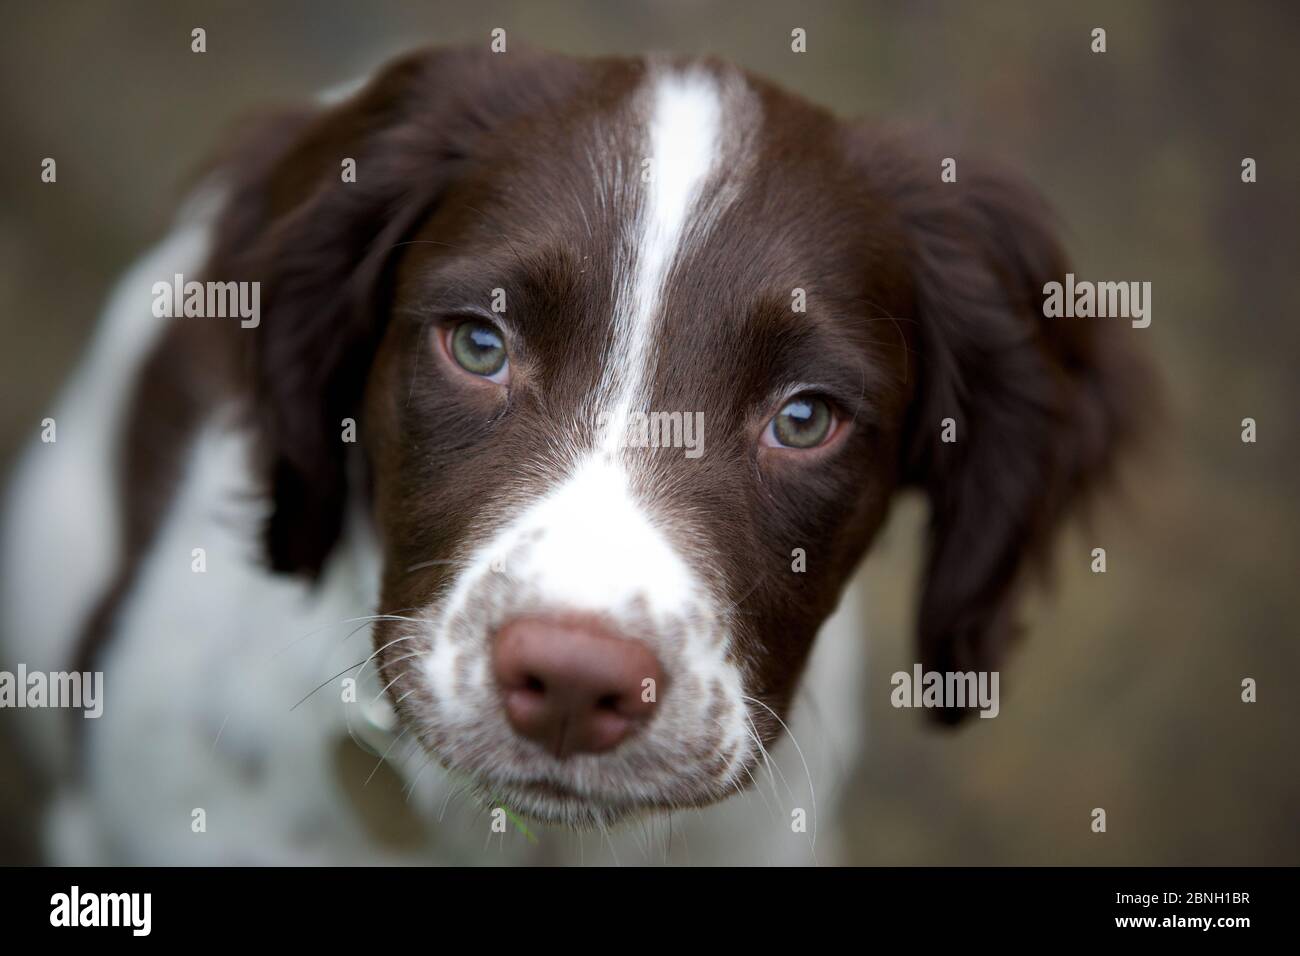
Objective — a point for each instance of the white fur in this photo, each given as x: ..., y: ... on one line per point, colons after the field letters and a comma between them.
x: 61, y: 534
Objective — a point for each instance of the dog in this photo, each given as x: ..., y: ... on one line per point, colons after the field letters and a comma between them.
x: 582, y: 387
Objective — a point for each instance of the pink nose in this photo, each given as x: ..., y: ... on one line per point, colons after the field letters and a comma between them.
x: 572, y: 686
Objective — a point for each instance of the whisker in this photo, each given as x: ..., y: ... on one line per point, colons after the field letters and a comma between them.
x: 776, y: 765
x: 767, y: 760
x: 755, y: 788
x: 359, y: 663
x: 395, y: 679
x: 384, y: 756
x: 799, y: 750
x: 352, y: 620
x: 397, y: 660
x: 328, y: 681
x: 735, y: 782
x: 429, y: 564
x: 410, y: 788
x: 451, y: 792
x: 454, y: 793
x: 605, y: 838
x: 408, y: 637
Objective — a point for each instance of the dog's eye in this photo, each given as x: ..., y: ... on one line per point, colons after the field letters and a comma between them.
x: 479, y: 349
x: 804, y: 421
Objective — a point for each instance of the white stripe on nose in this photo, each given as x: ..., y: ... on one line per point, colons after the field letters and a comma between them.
x: 597, y: 550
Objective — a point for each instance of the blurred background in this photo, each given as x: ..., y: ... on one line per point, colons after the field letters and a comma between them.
x: 1127, y: 692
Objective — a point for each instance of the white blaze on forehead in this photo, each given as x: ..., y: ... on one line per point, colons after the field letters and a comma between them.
x: 683, y: 136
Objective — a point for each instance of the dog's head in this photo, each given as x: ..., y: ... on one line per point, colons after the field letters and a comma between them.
x: 639, y: 352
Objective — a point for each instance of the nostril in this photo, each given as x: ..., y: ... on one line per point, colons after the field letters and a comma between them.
x: 534, y: 683
x: 609, y: 702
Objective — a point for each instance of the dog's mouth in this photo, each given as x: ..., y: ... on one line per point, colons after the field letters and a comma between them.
x: 547, y: 801
x: 550, y: 802
x: 596, y: 801
x: 583, y: 791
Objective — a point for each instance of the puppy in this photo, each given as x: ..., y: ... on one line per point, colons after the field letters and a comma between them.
x: 580, y: 386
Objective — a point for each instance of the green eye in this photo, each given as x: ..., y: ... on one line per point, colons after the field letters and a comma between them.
x: 478, y: 348
x: 803, y: 422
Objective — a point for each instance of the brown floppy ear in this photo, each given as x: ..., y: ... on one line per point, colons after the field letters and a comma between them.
x: 1039, y: 406
x: 322, y: 249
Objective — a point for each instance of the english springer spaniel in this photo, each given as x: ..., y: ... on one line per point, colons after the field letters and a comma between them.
x: 580, y: 386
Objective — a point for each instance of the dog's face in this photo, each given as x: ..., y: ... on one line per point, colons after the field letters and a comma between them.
x: 640, y: 353
x: 639, y: 304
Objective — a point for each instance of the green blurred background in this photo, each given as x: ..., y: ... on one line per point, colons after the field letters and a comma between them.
x: 1127, y: 692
